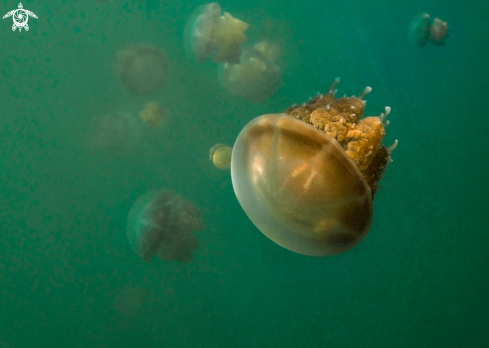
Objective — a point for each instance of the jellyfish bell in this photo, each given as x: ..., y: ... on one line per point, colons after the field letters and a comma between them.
x: 306, y: 178
x: 255, y: 78
x: 208, y: 34
x: 118, y: 133
x: 161, y: 223
x: 200, y: 29
x: 288, y: 192
x: 142, y: 68
x: 220, y: 155
x: 419, y: 32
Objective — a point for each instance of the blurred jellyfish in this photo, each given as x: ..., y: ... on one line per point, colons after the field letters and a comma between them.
x: 161, y: 223
x: 130, y: 300
x: 422, y: 30
x: 118, y: 133
x: 270, y: 51
x: 208, y: 34
x: 152, y: 114
x: 257, y: 76
x: 220, y: 155
x: 438, y: 31
x: 142, y: 68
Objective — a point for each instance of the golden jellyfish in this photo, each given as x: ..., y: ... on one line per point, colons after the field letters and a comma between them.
x: 142, y: 68
x: 220, y: 155
x: 423, y: 29
x: 256, y: 77
x: 162, y: 223
x: 210, y: 34
x: 152, y: 114
x: 306, y: 177
x: 269, y: 50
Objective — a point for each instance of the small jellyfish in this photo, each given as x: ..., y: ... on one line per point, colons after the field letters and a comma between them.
x: 118, y: 133
x: 152, y: 114
x: 422, y: 30
x: 220, y: 155
x: 438, y: 31
x: 162, y: 223
x: 256, y: 77
x: 208, y: 34
x: 142, y: 68
x: 130, y: 300
x: 306, y: 177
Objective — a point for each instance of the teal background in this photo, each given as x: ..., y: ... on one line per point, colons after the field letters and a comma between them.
x: 68, y: 277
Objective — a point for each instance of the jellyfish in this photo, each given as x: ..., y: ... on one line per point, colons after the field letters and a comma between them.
x: 208, y: 34
x: 422, y: 30
x: 118, y: 132
x: 162, y: 223
x: 142, y: 68
x: 130, y: 300
x: 152, y: 114
x: 306, y: 177
x: 220, y: 155
x: 438, y: 31
x: 256, y: 77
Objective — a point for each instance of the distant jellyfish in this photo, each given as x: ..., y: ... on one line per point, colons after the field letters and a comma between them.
x: 257, y: 76
x: 220, y: 155
x: 438, y: 31
x: 162, y: 223
x: 142, y: 68
x: 210, y: 35
x: 422, y: 30
x: 130, y: 300
x: 152, y: 114
x: 118, y: 133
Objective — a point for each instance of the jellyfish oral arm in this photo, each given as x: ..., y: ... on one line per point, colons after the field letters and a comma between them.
x: 150, y: 242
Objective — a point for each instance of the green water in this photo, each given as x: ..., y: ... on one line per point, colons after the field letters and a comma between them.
x: 68, y: 277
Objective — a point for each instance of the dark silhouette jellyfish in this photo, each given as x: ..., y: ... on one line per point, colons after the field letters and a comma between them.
x: 162, y: 223
x: 423, y: 29
x: 118, y: 133
x: 306, y: 177
x: 208, y: 34
x: 142, y: 68
x: 257, y: 76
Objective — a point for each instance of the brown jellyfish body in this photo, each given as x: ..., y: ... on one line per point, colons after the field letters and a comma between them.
x: 256, y: 77
x: 161, y: 223
x: 220, y: 155
x: 118, y: 133
x: 306, y: 178
x: 208, y: 34
x: 423, y: 29
x: 142, y: 68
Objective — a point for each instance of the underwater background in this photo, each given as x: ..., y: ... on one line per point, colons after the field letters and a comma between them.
x: 68, y: 277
